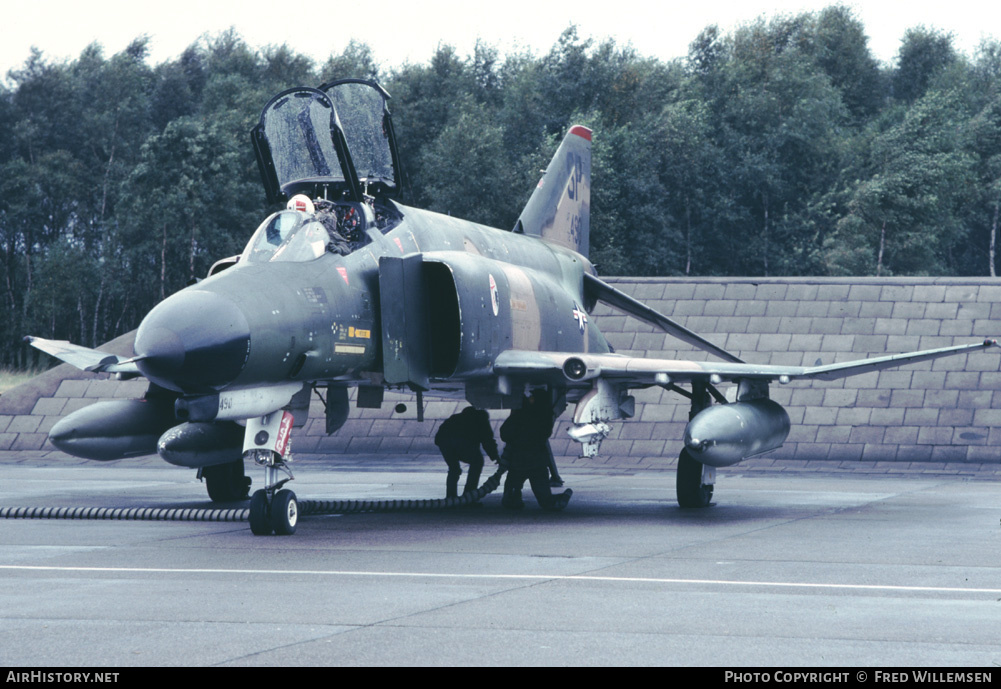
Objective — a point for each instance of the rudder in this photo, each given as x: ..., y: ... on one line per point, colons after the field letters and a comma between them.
x: 559, y: 209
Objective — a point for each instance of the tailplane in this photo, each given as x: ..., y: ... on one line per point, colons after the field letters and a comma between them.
x: 559, y: 210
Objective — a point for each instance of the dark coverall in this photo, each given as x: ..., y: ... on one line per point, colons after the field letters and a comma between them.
x: 337, y: 244
x: 459, y: 438
x: 526, y: 434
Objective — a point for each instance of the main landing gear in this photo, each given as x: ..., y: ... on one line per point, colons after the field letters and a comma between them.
x: 273, y: 509
x: 694, y: 482
x: 691, y: 487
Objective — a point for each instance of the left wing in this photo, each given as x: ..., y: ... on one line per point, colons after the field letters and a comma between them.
x: 751, y: 426
x: 93, y: 360
x: 639, y: 371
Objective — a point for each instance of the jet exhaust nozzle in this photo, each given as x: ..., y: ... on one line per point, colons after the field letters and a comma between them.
x: 724, y: 434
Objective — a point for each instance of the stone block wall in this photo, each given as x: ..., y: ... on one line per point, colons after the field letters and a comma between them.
x: 942, y: 411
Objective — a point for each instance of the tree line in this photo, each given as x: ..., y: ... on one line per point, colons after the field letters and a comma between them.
x: 782, y: 148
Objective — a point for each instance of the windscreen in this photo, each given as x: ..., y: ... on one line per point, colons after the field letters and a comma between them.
x: 286, y: 236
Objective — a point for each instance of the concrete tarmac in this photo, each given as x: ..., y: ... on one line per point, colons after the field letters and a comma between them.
x: 788, y: 568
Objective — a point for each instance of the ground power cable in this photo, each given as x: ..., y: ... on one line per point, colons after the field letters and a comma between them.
x: 242, y: 514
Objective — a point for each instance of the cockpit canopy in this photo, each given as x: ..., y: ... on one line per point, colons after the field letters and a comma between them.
x: 335, y: 142
x: 291, y: 236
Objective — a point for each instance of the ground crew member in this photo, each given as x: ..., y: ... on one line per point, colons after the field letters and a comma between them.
x: 526, y: 452
x: 459, y: 438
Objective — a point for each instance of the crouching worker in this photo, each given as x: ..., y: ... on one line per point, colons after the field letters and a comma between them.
x: 526, y: 452
x: 459, y: 438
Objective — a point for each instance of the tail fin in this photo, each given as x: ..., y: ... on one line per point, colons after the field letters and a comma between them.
x: 560, y: 207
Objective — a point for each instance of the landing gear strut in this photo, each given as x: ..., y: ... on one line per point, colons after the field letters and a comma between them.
x: 273, y: 509
x: 694, y: 483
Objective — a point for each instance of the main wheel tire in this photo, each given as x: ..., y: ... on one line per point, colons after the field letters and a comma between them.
x: 260, y: 514
x: 227, y: 482
x: 284, y: 513
x: 690, y: 489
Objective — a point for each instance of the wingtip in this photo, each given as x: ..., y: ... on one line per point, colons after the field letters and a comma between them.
x: 581, y: 131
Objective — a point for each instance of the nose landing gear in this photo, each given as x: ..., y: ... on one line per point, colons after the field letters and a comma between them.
x: 273, y: 509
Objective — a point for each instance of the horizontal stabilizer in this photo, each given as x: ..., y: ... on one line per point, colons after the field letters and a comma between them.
x: 598, y: 290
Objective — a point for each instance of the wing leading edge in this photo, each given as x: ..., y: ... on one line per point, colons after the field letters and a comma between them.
x: 639, y: 371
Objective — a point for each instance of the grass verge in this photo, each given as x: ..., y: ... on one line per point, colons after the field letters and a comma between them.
x: 10, y: 378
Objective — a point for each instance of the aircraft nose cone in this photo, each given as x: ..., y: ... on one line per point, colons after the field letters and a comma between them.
x: 193, y: 342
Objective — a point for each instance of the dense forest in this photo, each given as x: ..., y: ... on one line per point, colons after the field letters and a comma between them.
x: 784, y: 148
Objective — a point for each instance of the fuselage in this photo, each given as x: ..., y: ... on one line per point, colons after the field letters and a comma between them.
x: 277, y: 322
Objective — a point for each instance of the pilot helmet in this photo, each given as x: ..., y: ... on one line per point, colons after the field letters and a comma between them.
x: 300, y: 202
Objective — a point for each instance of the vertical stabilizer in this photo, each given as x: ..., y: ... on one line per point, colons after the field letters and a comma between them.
x: 560, y: 207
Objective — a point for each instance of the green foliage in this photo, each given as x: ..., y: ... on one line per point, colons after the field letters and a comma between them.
x: 182, y: 206
x: 356, y: 62
x: 841, y: 50
x: 466, y: 171
x: 639, y: 237
x: 924, y: 53
x: 782, y: 148
x: 910, y: 210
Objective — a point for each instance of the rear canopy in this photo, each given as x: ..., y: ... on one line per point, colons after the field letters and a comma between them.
x: 335, y: 142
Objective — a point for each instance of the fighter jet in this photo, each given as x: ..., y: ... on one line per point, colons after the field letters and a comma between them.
x: 346, y: 287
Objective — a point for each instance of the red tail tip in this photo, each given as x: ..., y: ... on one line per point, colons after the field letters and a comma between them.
x: 581, y: 131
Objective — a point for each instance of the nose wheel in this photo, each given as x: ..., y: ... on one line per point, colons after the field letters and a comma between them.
x: 284, y: 513
x: 279, y: 516
x: 260, y: 514
x: 273, y: 509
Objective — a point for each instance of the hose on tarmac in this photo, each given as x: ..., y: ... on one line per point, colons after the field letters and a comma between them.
x: 317, y: 507
x: 306, y: 507
x: 165, y: 514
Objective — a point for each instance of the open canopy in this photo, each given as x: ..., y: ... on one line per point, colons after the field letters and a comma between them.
x: 335, y: 142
